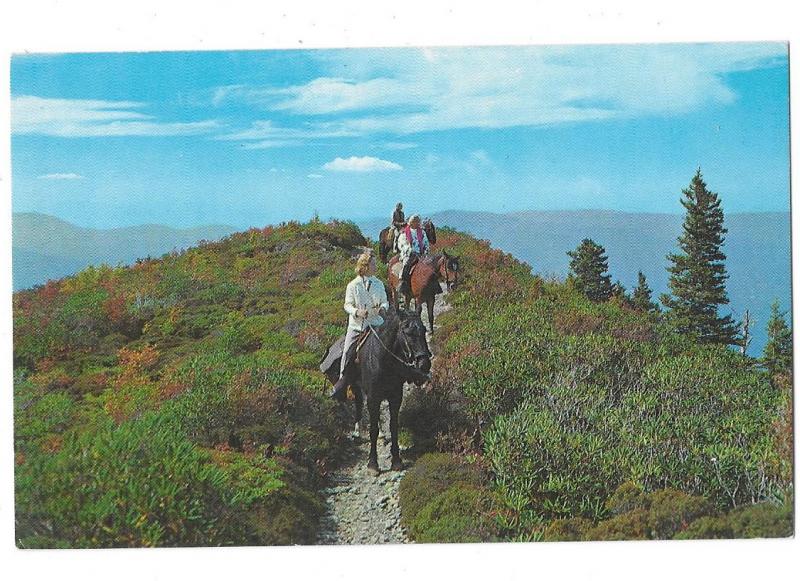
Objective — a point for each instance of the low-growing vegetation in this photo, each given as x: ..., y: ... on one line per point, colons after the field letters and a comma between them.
x: 177, y: 401
x: 567, y: 399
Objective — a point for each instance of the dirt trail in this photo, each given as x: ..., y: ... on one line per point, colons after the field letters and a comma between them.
x: 362, y: 508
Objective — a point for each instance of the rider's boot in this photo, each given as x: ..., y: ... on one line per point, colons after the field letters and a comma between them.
x: 339, y: 390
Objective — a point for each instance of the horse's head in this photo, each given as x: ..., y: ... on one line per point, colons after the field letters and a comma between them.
x: 449, y: 270
x: 411, y: 340
x: 430, y: 230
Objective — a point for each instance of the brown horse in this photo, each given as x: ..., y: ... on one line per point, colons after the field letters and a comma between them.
x: 426, y: 279
x: 386, y: 239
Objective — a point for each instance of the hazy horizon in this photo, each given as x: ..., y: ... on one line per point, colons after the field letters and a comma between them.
x: 376, y: 217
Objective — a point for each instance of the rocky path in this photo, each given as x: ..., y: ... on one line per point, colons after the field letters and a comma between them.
x: 362, y: 508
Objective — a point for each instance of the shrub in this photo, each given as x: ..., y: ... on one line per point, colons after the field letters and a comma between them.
x: 431, y: 475
x: 626, y: 497
x: 567, y: 529
x: 707, y: 527
x: 762, y: 520
x: 756, y: 521
x: 140, y: 484
x: 624, y: 527
x: 672, y: 510
x: 457, y: 515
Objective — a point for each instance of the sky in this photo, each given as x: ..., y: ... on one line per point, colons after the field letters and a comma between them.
x: 248, y: 138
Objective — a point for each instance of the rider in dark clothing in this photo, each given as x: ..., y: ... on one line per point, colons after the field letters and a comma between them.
x: 398, y: 223
x: 398, y: 218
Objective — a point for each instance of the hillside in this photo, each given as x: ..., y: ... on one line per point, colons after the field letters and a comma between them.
x: 177, y: 402
x: 45, y: 247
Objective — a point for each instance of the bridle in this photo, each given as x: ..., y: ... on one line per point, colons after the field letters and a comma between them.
x: 408, y: 352
x: 445, y: 259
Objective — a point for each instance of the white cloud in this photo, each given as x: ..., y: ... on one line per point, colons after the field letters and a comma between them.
x: 265, y: 134
x: 271, y: 143
x: 495, y: 87
x: 361, y: 164
x: 93, y: 118
x: 314, y: 176
x: 399, y: 145
x: 61, y: 176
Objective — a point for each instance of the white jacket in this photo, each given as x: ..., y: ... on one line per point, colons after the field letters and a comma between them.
x: 358, y: 296
x: 405, y: 248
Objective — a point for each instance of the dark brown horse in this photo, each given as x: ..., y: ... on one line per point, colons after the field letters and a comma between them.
x: 391, y: 355
x: 386, y: 239
x: 426, y: 279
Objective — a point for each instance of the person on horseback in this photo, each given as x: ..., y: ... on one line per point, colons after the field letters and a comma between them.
x: 365, y: 302
x: 398, y: 223
x: 412, y: 244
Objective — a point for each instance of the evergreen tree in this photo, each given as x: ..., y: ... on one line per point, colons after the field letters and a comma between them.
x: 588, y: 268
x: 778, y: 352
x: 643, y: 296
x: 697, y: 274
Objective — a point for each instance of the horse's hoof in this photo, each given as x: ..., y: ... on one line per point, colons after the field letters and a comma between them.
x: 372, y: 466
x: 397, y: 464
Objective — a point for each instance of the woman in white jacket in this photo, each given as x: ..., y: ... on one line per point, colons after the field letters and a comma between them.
x: 365, y: 302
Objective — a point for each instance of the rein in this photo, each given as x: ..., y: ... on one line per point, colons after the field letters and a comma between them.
x: 385, y: 348
x: 446, y: 271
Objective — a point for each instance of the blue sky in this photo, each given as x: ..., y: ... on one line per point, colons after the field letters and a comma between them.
x: 256, y: 137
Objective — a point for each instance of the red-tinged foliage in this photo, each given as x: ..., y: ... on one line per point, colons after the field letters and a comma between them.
x: 55, y: 378
x: 50, y: 290
x: 577, y: 323
x: 52, y: 443
x: 136, y: 361
x: 311, y: 337
x: 298, y: 267
x: 115, y: 308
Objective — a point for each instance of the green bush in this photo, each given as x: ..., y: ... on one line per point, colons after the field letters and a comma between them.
x: 139, y: 484
x: 707, y: 527
x: 627, y: 497
x: 763, y: 520
x: 629, y: 526
x: 567, y: 529
x: 431, y: 475
x: 457, y: 515
x: 672, y: 510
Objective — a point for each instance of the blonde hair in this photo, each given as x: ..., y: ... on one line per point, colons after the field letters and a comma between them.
x: 362, y: 264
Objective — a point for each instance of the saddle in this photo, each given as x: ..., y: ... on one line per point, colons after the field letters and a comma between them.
x: 330, y: 363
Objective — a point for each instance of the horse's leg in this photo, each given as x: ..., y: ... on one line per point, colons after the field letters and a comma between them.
x: 359, y: 408
x: 394, y: 412
x: 430, y: 302
x: 374, y: 408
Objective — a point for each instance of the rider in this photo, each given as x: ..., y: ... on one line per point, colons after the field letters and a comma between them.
x: 412, y: 244
x: 365, y: 302
x: 398, y: 223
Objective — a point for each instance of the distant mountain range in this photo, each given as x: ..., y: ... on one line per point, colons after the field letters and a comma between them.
x: 758, y: 248
x: 45, y: 247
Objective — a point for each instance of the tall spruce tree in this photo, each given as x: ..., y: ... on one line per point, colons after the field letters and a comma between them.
x: 697, y: 274
x: 778, y: 351
x: 588, y: 268
x: 642, y: 299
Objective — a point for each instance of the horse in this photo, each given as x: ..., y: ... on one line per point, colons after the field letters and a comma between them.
x: 386, y: 238
x: 426, y: 280
x: 391, y: 355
